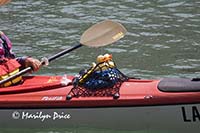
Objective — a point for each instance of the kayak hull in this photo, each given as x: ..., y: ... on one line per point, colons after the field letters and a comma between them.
x: 41, y: 101
x: 173, y: 118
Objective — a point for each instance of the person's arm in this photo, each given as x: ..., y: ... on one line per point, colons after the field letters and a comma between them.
x: 25, y: 62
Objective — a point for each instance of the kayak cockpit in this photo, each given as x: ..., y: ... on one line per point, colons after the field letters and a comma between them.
x: 179, y: 85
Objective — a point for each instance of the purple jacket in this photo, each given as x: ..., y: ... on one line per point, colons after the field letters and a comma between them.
x: 6, y: 49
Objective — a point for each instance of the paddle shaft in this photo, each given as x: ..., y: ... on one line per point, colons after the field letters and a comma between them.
x: 28, y: 69
x: 63, y: 52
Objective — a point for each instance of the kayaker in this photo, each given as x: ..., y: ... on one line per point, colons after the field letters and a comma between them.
x: 10, y: 64
x: 6, y: 52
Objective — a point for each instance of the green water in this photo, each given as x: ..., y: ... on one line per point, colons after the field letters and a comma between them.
x: 163, y: 38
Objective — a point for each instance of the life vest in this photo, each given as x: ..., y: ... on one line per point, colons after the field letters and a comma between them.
x: 9, y: 67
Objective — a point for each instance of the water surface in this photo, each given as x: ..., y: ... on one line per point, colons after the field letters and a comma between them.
x: 162, y: 40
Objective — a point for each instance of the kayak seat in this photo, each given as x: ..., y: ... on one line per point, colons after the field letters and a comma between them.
x: 179, y: 85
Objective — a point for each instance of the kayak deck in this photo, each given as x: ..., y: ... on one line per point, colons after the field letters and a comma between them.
x: 48, y: 92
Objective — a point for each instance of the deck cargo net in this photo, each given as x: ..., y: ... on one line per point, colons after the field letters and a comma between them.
x: 101, y: 80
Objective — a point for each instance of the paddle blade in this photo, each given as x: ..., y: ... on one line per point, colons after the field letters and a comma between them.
x: 3, y: 2
x: 103, y: 33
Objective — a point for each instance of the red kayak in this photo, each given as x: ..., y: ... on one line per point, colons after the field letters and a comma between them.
x: 47, y: 91
x: 169, y: 104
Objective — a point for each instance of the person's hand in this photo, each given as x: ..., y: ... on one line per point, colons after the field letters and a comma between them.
x: 35, y: 64
x: 3, y: 2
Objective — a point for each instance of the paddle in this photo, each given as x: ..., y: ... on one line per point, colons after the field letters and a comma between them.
x: 100, y: 34
x: 3, y: 2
